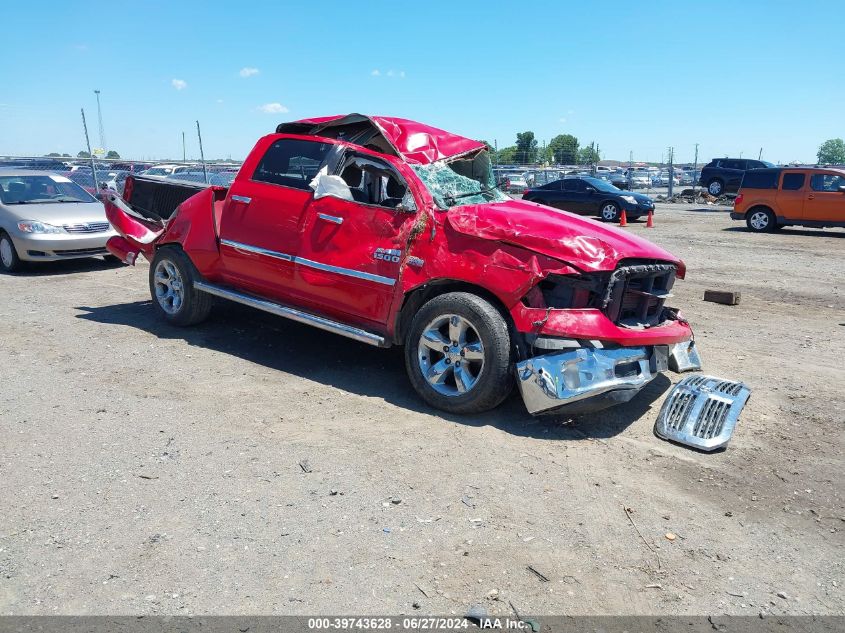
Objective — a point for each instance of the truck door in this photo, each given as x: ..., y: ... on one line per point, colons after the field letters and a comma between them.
x: 790, y: 196
x: 264, y: 208
x: 354, y: 240
x: 825, y: 203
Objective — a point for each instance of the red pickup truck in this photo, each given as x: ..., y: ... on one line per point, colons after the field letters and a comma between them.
x: 392, y: 232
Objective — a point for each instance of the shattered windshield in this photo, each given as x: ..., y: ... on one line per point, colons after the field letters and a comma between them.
x: 459, y: 182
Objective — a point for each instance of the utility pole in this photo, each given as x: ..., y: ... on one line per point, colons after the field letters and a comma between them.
x: 202, y: 155
x: 671, y: 170
x: 100, y: 120
x: 184, y: 159
x: 694, y: 170
x: 90, y: 155
x: 496, y: 148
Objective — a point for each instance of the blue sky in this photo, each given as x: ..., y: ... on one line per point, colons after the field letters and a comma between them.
x: 733, y: 76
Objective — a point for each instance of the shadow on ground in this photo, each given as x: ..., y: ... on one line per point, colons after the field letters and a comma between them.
x: 788, y: 230
x: 310, y: 353
x: 65, y: 267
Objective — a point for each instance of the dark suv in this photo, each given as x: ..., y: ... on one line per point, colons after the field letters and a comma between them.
x: 725, y: 174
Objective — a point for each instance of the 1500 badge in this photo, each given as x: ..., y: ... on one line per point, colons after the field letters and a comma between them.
x: 388, y: 254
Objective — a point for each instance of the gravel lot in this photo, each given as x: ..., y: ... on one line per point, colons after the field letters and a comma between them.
x: 253, y: 465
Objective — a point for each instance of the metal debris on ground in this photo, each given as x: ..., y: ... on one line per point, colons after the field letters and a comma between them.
x: 702, y: 412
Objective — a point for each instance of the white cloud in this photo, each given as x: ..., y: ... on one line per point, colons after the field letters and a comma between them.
x: 179, y: 84
x: 273, y: 108
x: 248, y: 71
x: 393, y: 74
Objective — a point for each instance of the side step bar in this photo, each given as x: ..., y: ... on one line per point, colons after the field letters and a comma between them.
x: 294, y: 315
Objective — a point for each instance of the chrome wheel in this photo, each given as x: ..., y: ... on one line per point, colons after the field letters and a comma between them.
x: 7, y: 255
x: 609, y: 212
x: 451, y: 355
x: 714, y: 188
x: 759, y: 220
x: 169, y: 288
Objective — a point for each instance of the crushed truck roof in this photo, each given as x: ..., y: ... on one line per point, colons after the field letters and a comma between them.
x: 412, y: 141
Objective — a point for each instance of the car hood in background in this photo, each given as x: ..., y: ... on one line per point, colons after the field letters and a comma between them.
x: 56, y: 213
x: 585, y: 243
x: 639, y: 197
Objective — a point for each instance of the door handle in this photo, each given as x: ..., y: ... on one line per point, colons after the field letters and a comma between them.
x: 811, y: 197
x: 330, y: 218
x: 242, y: 199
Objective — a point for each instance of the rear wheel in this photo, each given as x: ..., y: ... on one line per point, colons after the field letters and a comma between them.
x: 458, y: 354
x: 761, y: 220
x: 9, y: 260
x: 715, y: 187
x: 172, y: 276
x: 610, y: 212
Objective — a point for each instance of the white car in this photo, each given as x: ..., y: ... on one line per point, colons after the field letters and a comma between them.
x: 167, y: 170
x: 48, y: 217
x: 640, y: 180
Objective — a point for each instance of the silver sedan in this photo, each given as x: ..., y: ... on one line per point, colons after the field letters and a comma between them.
x: 47, y: 217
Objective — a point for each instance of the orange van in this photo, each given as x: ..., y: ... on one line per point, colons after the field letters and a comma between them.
x: 807, y: 196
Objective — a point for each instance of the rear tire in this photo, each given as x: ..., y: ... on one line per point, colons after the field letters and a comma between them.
x: 761, y: 220
x: 458, y: 354
x: 172, y: 276
x: 9, y: 260
x: 715, y: 187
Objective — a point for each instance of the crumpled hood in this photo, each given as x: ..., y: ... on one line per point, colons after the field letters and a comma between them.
x: 588, y: 244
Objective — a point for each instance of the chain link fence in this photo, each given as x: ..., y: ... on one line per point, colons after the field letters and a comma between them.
x: 110, y: 174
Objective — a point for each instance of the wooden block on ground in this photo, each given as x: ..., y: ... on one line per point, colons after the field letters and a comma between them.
x: 722, y: 296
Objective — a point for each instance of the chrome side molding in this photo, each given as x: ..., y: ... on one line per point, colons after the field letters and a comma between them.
x: 243, y: 199
x: 293, y: 314
x: 330, y: 218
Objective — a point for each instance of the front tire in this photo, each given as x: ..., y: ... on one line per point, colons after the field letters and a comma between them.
x: 715, y: 187
x: 609, y: 212
x: 172, y: 276
x: 458, y: 354
x: 761, y: 220
x: 9, y: 260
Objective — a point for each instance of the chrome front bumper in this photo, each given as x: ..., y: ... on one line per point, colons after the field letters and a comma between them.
x: 557, y: 380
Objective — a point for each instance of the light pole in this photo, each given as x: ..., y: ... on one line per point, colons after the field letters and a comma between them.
x: 100, y: 121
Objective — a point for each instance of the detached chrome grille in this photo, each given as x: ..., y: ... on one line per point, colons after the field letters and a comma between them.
x: 90, y: 227
x: 702, y: 411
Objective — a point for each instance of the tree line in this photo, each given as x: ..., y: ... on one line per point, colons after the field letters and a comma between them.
x: 563, y: 149
x: 82, y: 154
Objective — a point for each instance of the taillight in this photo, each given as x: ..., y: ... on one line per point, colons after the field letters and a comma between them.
x: 738, y: 200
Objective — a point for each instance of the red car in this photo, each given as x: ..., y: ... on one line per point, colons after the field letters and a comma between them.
x: 392, y: 232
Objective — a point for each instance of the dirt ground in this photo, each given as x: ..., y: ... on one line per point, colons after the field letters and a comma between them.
x: 254, y: 465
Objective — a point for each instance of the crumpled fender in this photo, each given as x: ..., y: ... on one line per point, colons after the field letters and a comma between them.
x: 137, y: 234
x: 585, y: 243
